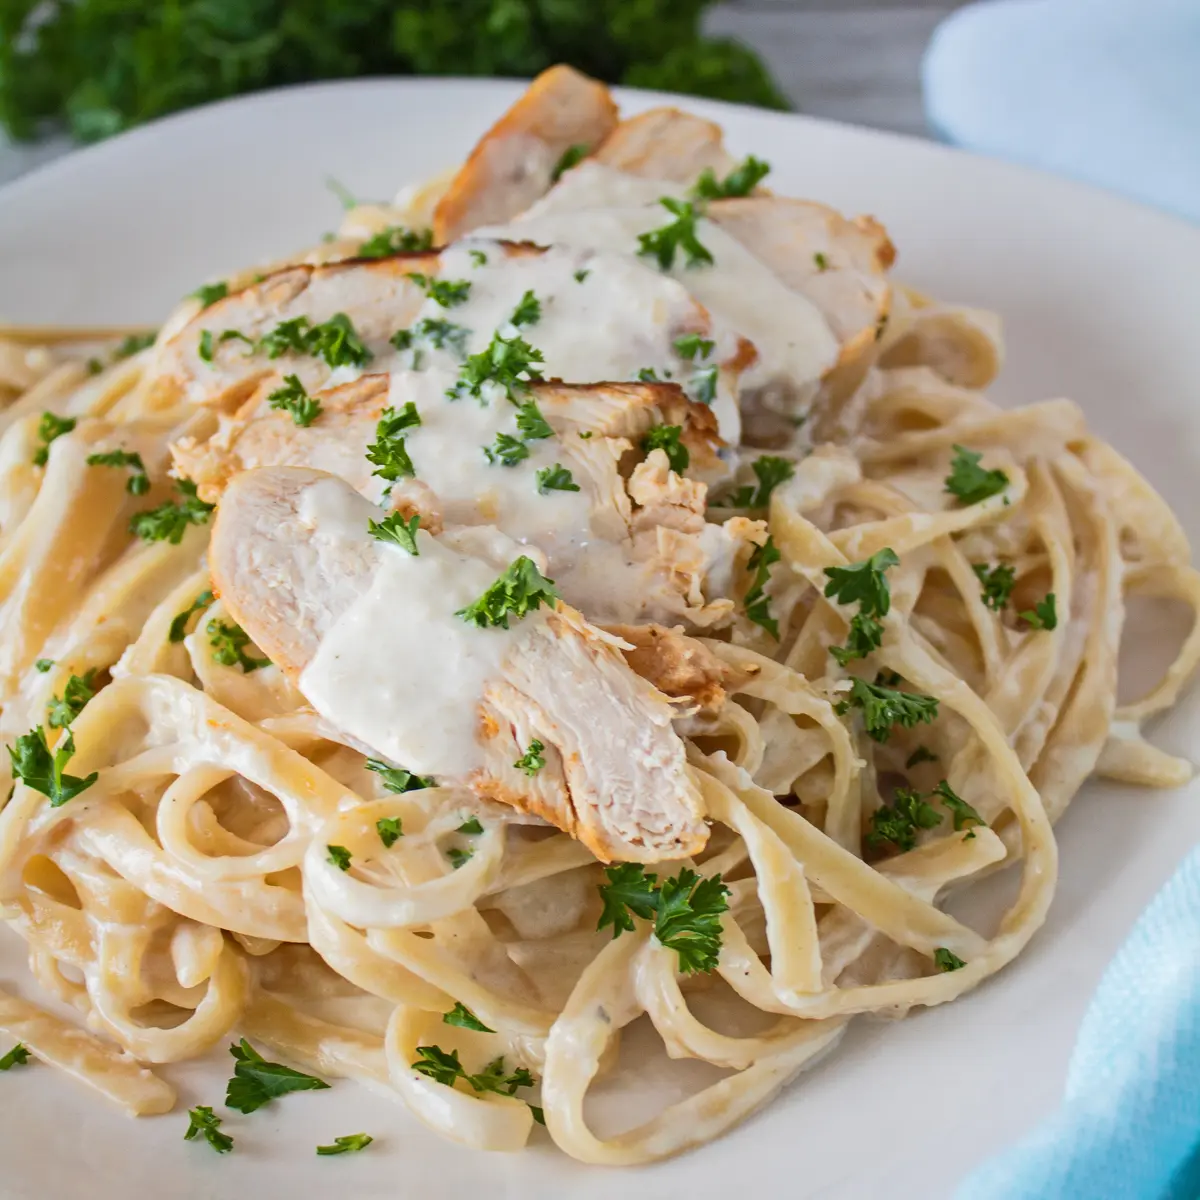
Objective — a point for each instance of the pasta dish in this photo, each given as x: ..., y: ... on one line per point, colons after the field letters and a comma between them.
x: 587, y: 591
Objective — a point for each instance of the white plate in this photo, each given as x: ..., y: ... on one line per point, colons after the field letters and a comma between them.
x: 1100, y: 299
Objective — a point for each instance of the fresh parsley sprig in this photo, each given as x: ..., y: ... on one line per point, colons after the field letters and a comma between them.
x: 770, y: 470
x: 445, y: 1068
x: 78, y: 691
x: 138, y: 483
x: 18, y: 1056
x: 741, y: 181
x: 676, y: 237
x: 507, y: 364
x: 757, y: 604
x: 350, y: 1143
x: 506, y: 450
x: 519, y: 590
x: 35, y: 766
x: 395, y: 239
x: 528, y: 310
x: 169, y: 521
x: 257, y: 1082
x: 570, y: 157
x: 970, y: 482
x: 202, y: 1122
x: 397, y: 530
x: 865, y: 584
x: 667, y: 439
x: 462, y: 1016
x: 449, y: 293
x: 998, y: 583
x: 1043, y: 615
x: 338, y: 856
x: 209, y: 293
x: 388, y: 451
x: 885, y: 707
x: 390, y: 830
x: 556, y: 479
x: 397, y: 779
x: 228, y: 641
x: 947, y: 960
x: 898, y: 822
x: 179, y: 623
x: 532, y: 761
x: 335, y: 340
x: 292, y: 398
x: 963, y: 814
x: 50, y: 428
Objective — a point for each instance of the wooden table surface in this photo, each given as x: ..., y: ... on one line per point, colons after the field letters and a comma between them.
x: 848, y: 60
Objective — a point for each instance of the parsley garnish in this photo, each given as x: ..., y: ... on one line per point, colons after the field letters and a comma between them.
x: 388, y: 451
x: 35, y: 766
x: 556, y: 479
x: 472, y: 825
x: 521, y: 589
x: 135, y: 343
x: 204, y: 347
x: 686, y: 910
x: 884, y: 707
x: 508, y: 363
x: 76, y: 694
x: 339, y: 856
x: 821, y: 261
x: 179, y: 622
x: 899, y: 822
x: 528, y: 310
x: 506, y: 450
x: 445, y: 1068
x: 437, y: 332
x: 397, y: 779
x: 292, y: 398
x: 202, y: 1123
x: 395, y: 239
x: 459, y: 858
x: 581, y: 274
x: 50, y: 428
x: 396, y: 529
x: 44, y: 664
x: 771, y: 471
x: 390, y: 831
x: 947, y: 960
x: 539, y: 1114
x: 446, y: 292
x: 435, y: 1063
x: 350, y: 1143
x: 703, y: 384
x: 692, y: 344
x: 969, y: 481
x: 863, y: 583
x: 531, y: 424
x: 210, y: 293
x: 18, y: 1056
x: 678, y: 235
x: 256, y: 1082
x: 138, y: 484
x: 229, y: 641
x: 478, y: 258
x: 531, y: 762
x: 922, y: 754
x: 964, y: 815
x: 168, y: 522
x: 462, y: 1016
x: 334, y: 340
x: 865, y: 637
x: 667, y: 439
x: 649, y: 375
x: 1043, y: 614
x: 757, y: 604
x: 570, y: 157
x: 998, y: 583
x: 741, y: 181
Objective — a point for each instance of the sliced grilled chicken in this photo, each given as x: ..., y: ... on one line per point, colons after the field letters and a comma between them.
x: 665, y: 143
x: 514, y: 162
x: 371, y: 635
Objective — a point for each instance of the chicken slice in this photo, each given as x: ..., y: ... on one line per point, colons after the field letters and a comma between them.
x: 513, y: 163
x: 371, y: 635
x: 665, y: 143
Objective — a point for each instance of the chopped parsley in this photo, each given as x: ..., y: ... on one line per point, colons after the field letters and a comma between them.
x: 397, y: 779
x: 528, y: 310
x: 864, y: 638
x: 581, y: 274
x: 649, y: 375
x: 770, y: 471
x: 506, y: 450
x: 969, y: 481
x: 692, y: 345
x: 741, y: 181
x: 395, y: 239
x: 702, y: 387
x: 556, y: 479
x: 757, y: 603
x: 821, y: 261
x: 998, y: 583
x: 339, y: 856
x: 18, y: 1056
x: 531, y: 425
x: 442, y: 1067
x: 435, y: 1063
x: 50, y: 428
x: 947, y: 960
x: 686, y: 910
x: 257, y: 1082
x: 964, y: 815
x: 532, y: 761
x: 228, y: 641
x: 292, y: 398
x: 36, y: 767
x: 446, y: 292
x: 135, y: 343
x: 204, y: 347
x: 138, y: 483
x: 440, y: 334
x: 462, y: 1016
x: 388, y: 451
x: 884, y: 707
x: 390, y: 831
x: 1043, y: 615
x: 667, y: 439
x: 508, y: 364
x: 334, y: 340
x: 677, y: 236
x: 396, y: 529
x: 202, y: 1123
x: 169, y: 521
x: 79, y: 690
x: 519, y: 590
x: 478, y: 258
x: 350, y: 1143
x: 459, y: 858
x: 922, y: 754
x: 210, y: 293
x: 863, y: 583
x: 898, y: 822
x: 571, y: 156
x: 44, y: 664
x: 471, y: 825
x: 179, y: 623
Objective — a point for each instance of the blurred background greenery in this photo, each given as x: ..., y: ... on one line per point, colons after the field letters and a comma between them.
x: 95, y: 67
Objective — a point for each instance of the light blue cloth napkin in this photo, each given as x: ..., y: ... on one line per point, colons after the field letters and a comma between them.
x: 1129, y: 1128
x: 1105, y: 91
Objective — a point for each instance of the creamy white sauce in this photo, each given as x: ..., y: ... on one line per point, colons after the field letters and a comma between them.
x: 599, y: 208
x: 398, y: 670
